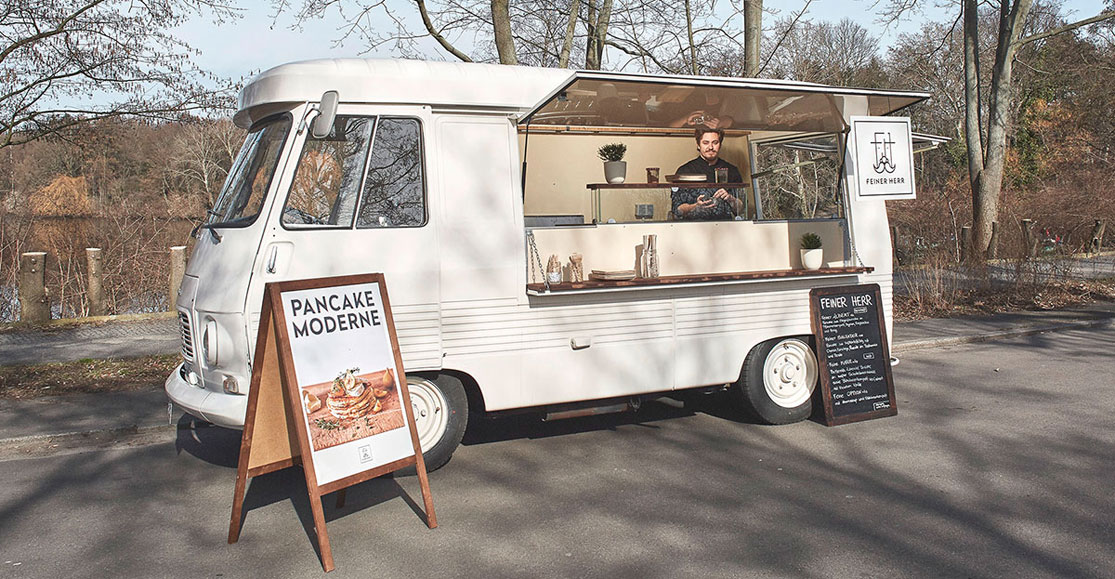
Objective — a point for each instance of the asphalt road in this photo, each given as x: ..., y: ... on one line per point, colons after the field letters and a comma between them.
x: 1000, y: 463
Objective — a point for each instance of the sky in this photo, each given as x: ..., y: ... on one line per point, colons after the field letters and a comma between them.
x: 259, y: 40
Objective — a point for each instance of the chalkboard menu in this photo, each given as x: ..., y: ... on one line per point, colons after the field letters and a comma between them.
x: 856, y: 382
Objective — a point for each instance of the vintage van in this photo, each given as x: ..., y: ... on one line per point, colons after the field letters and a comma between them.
x: 460, y: 181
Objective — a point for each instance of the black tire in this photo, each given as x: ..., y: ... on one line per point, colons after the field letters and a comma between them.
x: 791, y: 400
x: 427, y: 394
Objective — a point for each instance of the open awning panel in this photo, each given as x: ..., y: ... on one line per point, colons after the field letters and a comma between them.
x: 646, y: 101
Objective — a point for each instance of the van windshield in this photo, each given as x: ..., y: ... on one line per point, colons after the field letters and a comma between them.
x: 249, y: 178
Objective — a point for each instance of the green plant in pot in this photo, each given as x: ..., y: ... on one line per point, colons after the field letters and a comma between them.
x: 812, y: 256
x: 615, y: 168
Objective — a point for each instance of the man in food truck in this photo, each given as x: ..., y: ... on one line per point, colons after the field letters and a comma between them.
x: 704, y: 204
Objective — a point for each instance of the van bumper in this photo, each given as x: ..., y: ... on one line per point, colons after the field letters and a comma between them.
x: 222, y: 409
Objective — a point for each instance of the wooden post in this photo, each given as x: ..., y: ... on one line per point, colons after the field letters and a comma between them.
x: 993, y: 247
x: 96, y: 286
x: 34, y: 300
x: 1027, y: 238
x: 894, y: 242
x: 177, y: 270
x: 965, y: 241
x: 1096, y: 243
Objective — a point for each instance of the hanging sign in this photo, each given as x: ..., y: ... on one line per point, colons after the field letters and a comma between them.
x: 328, y: 392
x: 851, y: 338
x: 883, y: 157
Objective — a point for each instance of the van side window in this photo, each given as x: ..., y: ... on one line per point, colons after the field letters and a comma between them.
x: 395, y: 189
x: 799, y: 179
x: 327, y: 180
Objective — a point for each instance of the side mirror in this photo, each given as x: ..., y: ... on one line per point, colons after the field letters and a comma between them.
x: 323, y: 123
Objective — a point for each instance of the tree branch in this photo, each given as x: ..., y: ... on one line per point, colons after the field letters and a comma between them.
x: 437, y: 35
x: 1097, y: 18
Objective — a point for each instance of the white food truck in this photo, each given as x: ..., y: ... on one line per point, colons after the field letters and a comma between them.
x: 460, y: 182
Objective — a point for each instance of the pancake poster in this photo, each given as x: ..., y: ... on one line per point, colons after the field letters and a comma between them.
x: 348, y: 384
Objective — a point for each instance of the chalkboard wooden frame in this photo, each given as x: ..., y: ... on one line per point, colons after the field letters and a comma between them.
x: 832, y: 415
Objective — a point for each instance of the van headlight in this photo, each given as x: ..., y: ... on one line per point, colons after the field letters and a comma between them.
x: 214, y: 338
x: 209, y: 342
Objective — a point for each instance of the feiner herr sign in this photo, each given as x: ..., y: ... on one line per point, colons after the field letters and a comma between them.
x: 884, y: 157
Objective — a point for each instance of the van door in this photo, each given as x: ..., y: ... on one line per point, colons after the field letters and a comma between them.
x: 356, y: 202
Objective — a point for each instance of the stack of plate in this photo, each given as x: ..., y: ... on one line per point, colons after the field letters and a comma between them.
x: 686, y: 178
x: 612, y: 275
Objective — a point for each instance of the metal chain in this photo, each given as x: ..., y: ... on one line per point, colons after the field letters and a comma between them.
x: 537, y: 259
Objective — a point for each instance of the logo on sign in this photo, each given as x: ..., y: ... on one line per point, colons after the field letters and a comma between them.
x: 884, y: 153
x: 365, y: 453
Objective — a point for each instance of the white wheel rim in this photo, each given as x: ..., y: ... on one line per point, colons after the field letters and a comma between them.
x: 430, y: 415
x: 790, y: 373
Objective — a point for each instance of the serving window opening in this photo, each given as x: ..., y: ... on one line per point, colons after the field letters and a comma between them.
x: 781, y: 146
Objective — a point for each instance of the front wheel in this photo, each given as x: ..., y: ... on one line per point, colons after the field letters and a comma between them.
x: 440, y: 409
x: 777, y: 381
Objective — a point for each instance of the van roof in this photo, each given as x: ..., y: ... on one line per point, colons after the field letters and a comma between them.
x: 373, y: 80
x: 558, y: 96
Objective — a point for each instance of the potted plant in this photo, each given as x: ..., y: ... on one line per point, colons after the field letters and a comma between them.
x: 811, y: 252
x: 615, y: 168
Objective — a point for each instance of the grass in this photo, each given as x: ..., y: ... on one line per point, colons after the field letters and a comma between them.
x: 86, y: 376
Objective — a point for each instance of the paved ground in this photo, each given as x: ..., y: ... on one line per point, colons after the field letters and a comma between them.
x: 1000, y: 463
x: 32, y: 426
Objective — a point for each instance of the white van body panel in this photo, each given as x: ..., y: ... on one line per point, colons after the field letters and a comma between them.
x: 458, y: 283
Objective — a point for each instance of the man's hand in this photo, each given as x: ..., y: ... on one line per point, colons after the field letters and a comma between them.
x: 707, y: 201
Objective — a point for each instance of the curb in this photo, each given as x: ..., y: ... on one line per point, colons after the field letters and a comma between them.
x: 52, y: 326
x: 989, y: 336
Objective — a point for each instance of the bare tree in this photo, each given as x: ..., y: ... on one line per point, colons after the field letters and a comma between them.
x: 843, y: 53
x: 203, y: 152
x: 987, y: 144
x: 60, y: 58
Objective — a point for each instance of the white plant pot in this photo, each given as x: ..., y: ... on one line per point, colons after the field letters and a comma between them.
x: 615, y: 171
x: 812, y: 258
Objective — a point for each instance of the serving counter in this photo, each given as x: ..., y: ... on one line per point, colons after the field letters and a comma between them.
x: 693, y: 279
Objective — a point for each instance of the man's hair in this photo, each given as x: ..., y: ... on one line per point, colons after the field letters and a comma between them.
x: 702, y: 129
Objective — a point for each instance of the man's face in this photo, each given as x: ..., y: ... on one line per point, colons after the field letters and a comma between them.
x: 709, y: 147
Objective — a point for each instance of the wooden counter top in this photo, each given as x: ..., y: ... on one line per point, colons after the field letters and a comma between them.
x: 567, y: 287
x: 667, y: 185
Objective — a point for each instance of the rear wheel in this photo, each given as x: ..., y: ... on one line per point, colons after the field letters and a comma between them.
x: 778, y: 380
x: 440, y: 409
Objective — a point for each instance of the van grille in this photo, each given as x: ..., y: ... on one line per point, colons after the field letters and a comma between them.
x: 187, y: 336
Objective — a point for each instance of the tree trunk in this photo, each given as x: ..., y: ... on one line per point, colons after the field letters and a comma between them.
x: 501, y: 24
x: 972, y: 124
x: 597, y: 33
x: 689, y: 36
x: 590, y: 38
x: 570, y: 29
x: 752, y: 34
x: 985, y: 165
x: 602, y: 32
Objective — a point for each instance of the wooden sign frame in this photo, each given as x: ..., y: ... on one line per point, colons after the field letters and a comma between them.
x: 831, y: 419
x: 275, y: 434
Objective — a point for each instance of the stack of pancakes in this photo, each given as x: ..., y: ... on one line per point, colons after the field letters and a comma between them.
x: 351, y: 403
